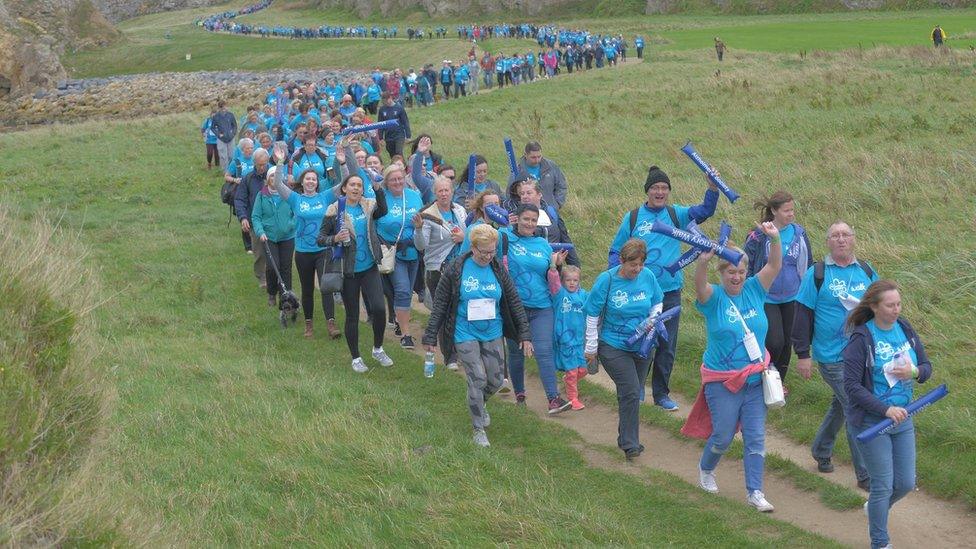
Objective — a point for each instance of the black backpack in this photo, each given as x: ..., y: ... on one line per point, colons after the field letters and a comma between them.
x: 818, y: 272
x: 228, y: 191
x: 671, y: 213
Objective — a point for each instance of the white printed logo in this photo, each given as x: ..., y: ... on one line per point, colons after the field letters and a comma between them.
x: 886, y: 351
x: 837, y: 287
x: 304, y: 207
x: 733, y: 318
x: 518, y: 249
x: 471, y: 284
x: 395, y: 210
x: 644, y: 228
x: 620, y: 298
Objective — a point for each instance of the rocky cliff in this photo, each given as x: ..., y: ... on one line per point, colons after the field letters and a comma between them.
x: 117, y: 10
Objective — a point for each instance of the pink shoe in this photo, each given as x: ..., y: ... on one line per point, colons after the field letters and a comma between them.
x: 577, y: 405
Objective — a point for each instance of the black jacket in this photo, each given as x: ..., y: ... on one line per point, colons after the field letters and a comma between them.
x: 247, y: 193
x: 858, y: 364
x: 515, y: 325
x: 374, y: 209
x: 394, y: 112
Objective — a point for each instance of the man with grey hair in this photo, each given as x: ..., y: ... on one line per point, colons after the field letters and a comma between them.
x: 247, y: 193
x: 829, y: 291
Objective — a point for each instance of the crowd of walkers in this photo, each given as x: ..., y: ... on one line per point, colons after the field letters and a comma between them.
x: 381, y: 220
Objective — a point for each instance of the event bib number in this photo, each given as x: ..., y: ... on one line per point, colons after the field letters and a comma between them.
x: 481, y: 309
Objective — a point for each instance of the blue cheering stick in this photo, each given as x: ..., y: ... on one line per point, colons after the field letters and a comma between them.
x: 497, y: 214
x: 341, y: 212
x: 510, y: 152
x: 384, y: 125
x: 561, y: 247
x: 915, y: 407
x: 472, y: 164
x: 729, y: 192
x: 699, y: 241
x: 649, y: 324
x: 691, y: 255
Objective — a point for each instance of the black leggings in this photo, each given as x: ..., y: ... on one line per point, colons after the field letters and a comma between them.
x: 281, y: 254
x: 213, y: 157
x: 368, y: 282
x: 310, y: 266
x: 432, y: 278
x: 780, y: 317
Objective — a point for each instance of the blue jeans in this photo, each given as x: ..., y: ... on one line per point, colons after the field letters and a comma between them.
x: 728, y: 410
x: 663, y: 361
x: 403, y: 277
x: 890, y: 459
x: 823, y: 443
x: 541, y: 326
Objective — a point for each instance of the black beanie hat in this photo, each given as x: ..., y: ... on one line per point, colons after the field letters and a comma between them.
x: 656, y: 175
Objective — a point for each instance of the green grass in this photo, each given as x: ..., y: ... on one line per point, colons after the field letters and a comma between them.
x: 144, y: 48
x: 228, y: 431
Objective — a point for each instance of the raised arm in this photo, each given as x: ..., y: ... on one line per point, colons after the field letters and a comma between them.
x: 279, y: 179
x: 775, y: 260
x: 703, y: 290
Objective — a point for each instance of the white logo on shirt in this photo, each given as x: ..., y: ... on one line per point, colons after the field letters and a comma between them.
x: 396, y: 211
x: 733, y: 318
x: 620, y: 298
x: 644, y: 228
x: 837, y: 287
x: 518, y: 249
x: 472, y: 284
x: 304, y: 207
x: 886, y: 351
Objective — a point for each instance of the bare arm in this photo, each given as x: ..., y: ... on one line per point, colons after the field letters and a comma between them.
x: 775, y: 260
x: 703, y: 290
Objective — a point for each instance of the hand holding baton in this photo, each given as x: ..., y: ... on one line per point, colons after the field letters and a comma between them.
x: 915, y: 407
x: 698, y: 241
x: 691, y: 255
x: 561, y: 247
x: 384, y: 125
x: 650, y: 323
x: 341, y: 224
x: 729, y: 193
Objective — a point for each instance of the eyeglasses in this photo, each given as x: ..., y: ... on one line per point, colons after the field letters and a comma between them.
x: 483, y: 253
x: 841, y: 236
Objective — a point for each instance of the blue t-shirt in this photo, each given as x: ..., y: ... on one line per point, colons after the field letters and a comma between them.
x: 528, y: 263
x: 534, y: 171
x: 241, y: 166
x: 624, y: 304
x: 364, y: 254
x: 569, y: 328
x: 478, y: 282
x: 388, y: 227
x: 888, y: 344
x: 309, y: 211
x: 313, y: 161
x: 210, y: 138
x: 787, y: 235
x: 661, y: 250
x: 724, y: 349
x: 840, y: 285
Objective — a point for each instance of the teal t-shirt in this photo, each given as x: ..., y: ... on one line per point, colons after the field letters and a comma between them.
x: 724, y: 349
x: 661, y: 250
x: 623, y: 304
x: 478, y: 282
x: 786, y: 234
x: 534, y: 171
x: 528, y: 263
x: 389, y: 226
x: 841, y: 285
x: 241, y: 166
x: 309, y: 212
x: 307, y: 161
x: 888, y: 344
x: 364, y: 255
x: 569, y: 328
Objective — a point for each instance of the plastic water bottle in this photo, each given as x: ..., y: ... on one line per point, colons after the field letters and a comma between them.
x: 429, y: 364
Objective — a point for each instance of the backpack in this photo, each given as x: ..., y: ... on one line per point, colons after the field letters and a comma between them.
x: 228, y: 191
x: 671, y: 213
x: 818, y: 272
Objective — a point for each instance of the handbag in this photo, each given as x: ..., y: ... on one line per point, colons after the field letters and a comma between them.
x: 388, y: 258
x: 331, y: 280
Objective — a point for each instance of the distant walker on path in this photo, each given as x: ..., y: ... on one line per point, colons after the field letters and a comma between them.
x: 719, y: 48
x: 938, y: 36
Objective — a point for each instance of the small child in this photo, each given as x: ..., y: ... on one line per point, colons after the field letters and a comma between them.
x: 569, y: 329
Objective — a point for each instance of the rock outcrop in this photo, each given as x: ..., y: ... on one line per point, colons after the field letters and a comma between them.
x: 117, y: 10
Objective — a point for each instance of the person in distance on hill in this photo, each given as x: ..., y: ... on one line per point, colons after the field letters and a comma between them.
x: 731, y: 394
x: 938, y: 36
x: 225, y: 126
x: 546, y: 172
x: 210, y: 140
x: 393, y: 138
x: 779, y: 209
x: 273, y: 222
x: 719, y: 48
x: 882, y: 362
x: 476, y: 304
x: 661, y: 252
x: 481, y: 183
x: 247, y: 193
x: 358, y: 264
x: 529, y: 259
x: 623, y: 296
x: 830, y: 289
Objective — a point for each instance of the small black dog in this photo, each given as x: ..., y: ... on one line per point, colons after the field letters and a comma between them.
x: 289, y: 306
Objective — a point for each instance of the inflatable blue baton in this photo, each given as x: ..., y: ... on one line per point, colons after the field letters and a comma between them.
x: 561, y: 247
x: 710, y: 172
x: 497, y: 214
x: 915, y: 407
x: 341, y: 212
x: 698, y: 241
x: 691, y: 255
x: 384, y: 125
x: 472, y: 164
x: 512, y: 163
x: 649, y: 324
x: 280, y: 106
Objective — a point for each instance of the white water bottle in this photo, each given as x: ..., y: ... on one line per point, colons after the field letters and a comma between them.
x: 429, y: 364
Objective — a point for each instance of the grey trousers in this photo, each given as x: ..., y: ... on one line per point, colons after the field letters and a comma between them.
x: 260, y: 258
x: 628, y: 372
x: 483, y: 362
x: 225, y: 151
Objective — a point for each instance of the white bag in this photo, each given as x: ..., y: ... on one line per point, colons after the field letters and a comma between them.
x: 773, y: 389
x: 387, y: 261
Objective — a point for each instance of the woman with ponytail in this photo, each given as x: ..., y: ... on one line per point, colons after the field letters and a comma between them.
x: 797, y: 256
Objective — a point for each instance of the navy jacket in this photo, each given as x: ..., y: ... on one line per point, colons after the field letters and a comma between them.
x: 247, y: 193
x: 858, y: 364
x: 224, y: 125
x: 394, y: 112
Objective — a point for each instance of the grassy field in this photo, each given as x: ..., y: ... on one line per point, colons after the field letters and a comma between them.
x: 144, y: 47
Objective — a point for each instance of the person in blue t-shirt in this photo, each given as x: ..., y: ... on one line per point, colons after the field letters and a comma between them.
x: 569, y: 329
x: 529, y: 259
x: 623, y: 296
x: 210, y: 140
x: 882, y: 362
x: 639, y: 44
x: 238, y: 168
x: 661, y: 252
x: 476, y: 303
x: 735, y: 324
x: 779, y: 208
x: 822, y: 305
x: 310, y: 206
x: 396, y: 228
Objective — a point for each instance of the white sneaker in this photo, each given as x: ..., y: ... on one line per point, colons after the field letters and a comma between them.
x: 481, y: 439
x: 758, y: 500
x: 359, y: 366
x: 380, y: 356
x: 487, y: 419
x: 452, y: 366
x: 866, y: 509
x: 706, y: 480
